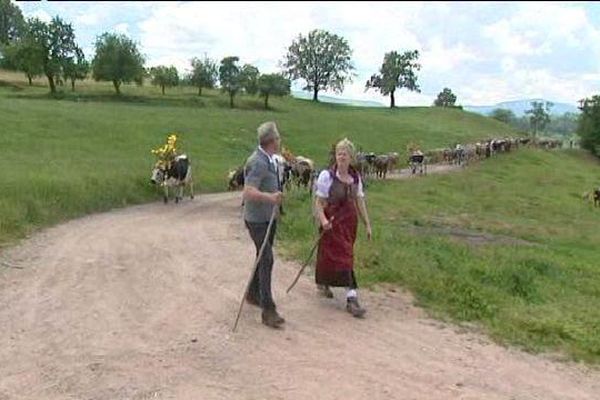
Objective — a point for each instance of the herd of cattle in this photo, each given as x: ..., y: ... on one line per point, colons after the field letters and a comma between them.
x: 463, y: 154
x: 300, y: 171
x: 293, y: 170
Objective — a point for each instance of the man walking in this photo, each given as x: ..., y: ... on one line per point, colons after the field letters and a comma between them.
x: 261, y: 195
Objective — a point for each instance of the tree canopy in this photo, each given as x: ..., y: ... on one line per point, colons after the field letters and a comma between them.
x: 117, y: 60
x: 322, y: 59
x: 397, y: 71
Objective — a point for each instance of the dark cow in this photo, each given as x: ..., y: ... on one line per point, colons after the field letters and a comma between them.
x: 417, y: 161
x: 596, y: 196
x: 365, y: 164
x: 235, y: 178
x: 385, y: 163
x: 178, y: 174
x: 458, y: 155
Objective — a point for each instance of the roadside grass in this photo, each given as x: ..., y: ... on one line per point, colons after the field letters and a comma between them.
x: 507, y: 243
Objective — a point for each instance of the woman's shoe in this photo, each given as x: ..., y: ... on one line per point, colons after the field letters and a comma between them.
x: 354, y: 308
x: 325, y: 291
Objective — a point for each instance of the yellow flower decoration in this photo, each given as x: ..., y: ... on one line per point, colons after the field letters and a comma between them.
x: 167, y: 152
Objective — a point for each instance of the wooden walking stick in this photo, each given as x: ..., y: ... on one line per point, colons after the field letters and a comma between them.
x: 260, y: 252
x: 305, y: 262
x: 309, y: 257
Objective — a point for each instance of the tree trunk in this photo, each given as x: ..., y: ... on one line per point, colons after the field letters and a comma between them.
x: 116, y: 84
x: 199, y: 90
x: 72, y: 85
x: 29, y: 77
x: 315, y: 93
x: 51, y: 83
x: 163, y: 89
x: 230, y: 100
x: 392, y: 99
x: 266, y: 101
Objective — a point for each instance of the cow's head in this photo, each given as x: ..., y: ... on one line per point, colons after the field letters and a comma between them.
x: 158, y: 174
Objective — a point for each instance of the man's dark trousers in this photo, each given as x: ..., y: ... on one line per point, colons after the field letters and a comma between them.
x: 260, y: 288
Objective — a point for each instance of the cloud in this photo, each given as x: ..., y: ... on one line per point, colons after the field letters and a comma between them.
x: 89, y: 19
x: 441, y: 58
x: 122, y: 28
x: 42, y: 16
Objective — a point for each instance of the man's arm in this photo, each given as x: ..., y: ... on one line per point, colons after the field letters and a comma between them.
x: 253, y: 177
x: 253, y: 194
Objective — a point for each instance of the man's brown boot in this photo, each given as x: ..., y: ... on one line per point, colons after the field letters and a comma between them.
x: 272, y: 319
x: 252, y: 300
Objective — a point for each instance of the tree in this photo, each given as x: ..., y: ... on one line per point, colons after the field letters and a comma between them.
x: 540, y: 115
x: 504, y: 115
x: 445, y: 98
x: 565, y: 124
x: 117, y: 60
x: 25, y: 55
x: 396, y: 72
x: 12, y: 23
x: 55, y: 42
x: 322, y: 59
x: 76, y: 69
x: 249, y: 78
x: 273, y: 84
x: 204, y: 74
x: 164, y: 76
x: 230, y: 77
x: 589, y: 124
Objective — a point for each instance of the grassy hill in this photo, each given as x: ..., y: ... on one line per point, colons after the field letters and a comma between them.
x: 508, y: 243
x: 89, y: 150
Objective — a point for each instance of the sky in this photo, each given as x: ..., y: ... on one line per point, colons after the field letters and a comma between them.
x: 485, y: 52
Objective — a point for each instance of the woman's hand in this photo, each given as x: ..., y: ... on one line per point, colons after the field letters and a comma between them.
x: 326, y: 224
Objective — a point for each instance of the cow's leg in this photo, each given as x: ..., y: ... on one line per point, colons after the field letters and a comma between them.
x: 178, y: 193
x: 166, y: 194
x: 192, y: 190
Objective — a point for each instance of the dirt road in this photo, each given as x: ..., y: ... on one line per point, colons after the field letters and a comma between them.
x: 139, y: 303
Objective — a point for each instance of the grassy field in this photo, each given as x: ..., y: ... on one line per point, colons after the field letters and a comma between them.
x: 89, y: 150
x: 508, y: 243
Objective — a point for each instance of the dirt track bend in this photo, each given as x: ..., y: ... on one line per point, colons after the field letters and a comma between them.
x: 139, y: 303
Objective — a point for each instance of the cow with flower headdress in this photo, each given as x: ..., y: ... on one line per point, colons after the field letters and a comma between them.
x: 172, y: 170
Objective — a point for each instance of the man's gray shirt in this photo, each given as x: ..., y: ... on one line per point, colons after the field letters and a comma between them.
x: 261, y: 174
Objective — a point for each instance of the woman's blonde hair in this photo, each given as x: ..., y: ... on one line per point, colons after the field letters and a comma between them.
x: 346, y: 145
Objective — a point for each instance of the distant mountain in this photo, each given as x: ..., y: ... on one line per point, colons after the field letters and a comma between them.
x: 517, y: 106
x: 337, y: 100
x: 520, y: 106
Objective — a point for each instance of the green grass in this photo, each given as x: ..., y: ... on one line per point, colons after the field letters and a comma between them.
x: 534, y: 281
x: 89, y: 150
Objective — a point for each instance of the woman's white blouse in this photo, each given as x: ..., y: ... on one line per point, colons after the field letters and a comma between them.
x: 325, y: 180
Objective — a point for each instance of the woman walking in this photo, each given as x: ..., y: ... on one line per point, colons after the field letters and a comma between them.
x: 339, y: 202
